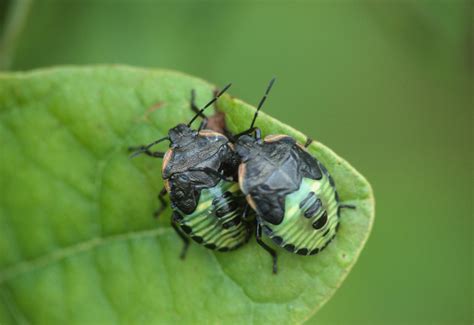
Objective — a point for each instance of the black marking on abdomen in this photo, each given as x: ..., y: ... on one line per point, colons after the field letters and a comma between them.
x: 313, y: 209
x: 321, y: 221
x: 325, y: 172
x: 306, y: 199
x: 223, y: 205
x: 302, y: 251
x: 198, y: 239
x: 290, y: 248
x: 331, y: 181
x: 186, y: 229
x: 311, y: 204
x: 218, y: 227
x: 278, y: 240
x: 328, y: 242
x: 233, y: 222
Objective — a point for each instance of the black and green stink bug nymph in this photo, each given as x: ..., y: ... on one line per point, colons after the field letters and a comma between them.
x: 292, y: 193
x: 199, y: 173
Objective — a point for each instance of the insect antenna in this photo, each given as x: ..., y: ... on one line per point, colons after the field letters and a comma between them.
x: 270, y: 85
x: 209, y: 104
x: 147, y: 147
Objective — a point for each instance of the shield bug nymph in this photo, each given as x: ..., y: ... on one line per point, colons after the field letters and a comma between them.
x: 199, y: 174
x: 292, y: 193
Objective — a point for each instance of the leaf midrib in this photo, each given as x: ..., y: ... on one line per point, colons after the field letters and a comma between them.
x: 72, y: 250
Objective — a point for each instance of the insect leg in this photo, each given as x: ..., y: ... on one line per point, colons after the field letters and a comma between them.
x: 347, y: 206
x: 245, y: 214
x: 246, y: 132
x: 156, y: 154
x: 163, y: 205
x: 183, y: 237
x: 267, y: 248
x: 203, y: 124
x: 308, y: 142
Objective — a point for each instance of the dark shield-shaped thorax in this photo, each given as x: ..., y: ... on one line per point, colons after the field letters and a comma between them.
x: 184, y: 168
x: 273, y: 171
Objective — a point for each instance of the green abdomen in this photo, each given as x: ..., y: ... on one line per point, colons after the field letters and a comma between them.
x: 311, y: 218
x: 217, y: 221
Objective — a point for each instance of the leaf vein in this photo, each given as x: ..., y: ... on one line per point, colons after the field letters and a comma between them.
x: 70, y: 251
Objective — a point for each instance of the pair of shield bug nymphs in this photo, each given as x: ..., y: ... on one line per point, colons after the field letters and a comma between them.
x: 225, y: 188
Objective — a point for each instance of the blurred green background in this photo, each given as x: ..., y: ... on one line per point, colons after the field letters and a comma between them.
x: 387, y: 85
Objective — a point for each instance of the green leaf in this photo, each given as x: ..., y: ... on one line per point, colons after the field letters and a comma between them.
x: 77, y: 239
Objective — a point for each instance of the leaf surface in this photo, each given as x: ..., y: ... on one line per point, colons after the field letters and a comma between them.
x: 78, y: 243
